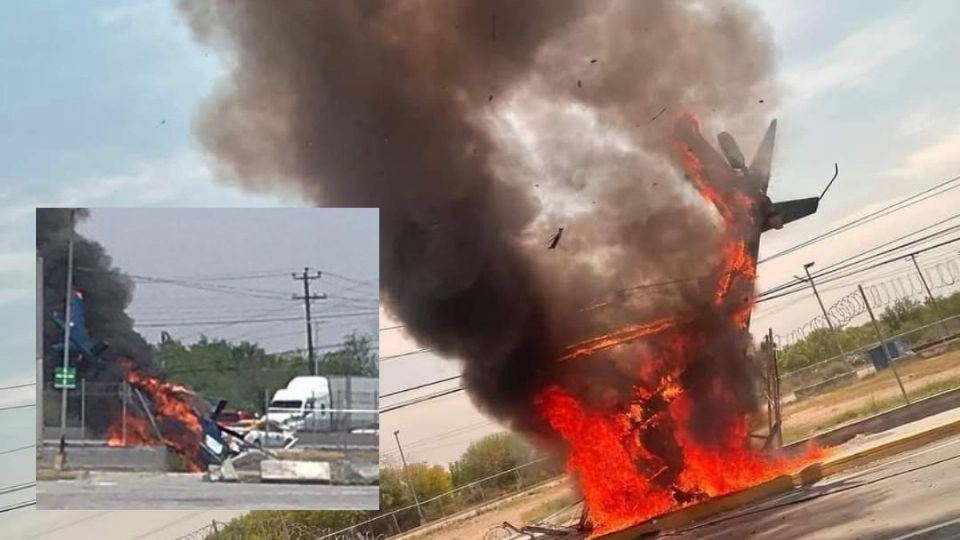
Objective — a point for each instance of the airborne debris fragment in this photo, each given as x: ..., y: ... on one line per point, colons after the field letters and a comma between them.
x: 663, y: 110
x: 556, y: 239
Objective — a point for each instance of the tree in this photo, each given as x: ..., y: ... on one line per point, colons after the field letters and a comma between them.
x: 491, y: 455
x: 355, y: 356
x: 899, y: 313
x: 239, y: 373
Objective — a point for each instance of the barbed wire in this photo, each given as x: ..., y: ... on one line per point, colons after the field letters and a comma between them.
x: 880, y: 295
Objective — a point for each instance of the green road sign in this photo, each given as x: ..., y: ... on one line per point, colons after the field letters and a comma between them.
x: 65, y: 380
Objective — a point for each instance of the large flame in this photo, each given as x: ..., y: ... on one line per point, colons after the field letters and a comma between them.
x: 644, y: 458
x: 174, y: 415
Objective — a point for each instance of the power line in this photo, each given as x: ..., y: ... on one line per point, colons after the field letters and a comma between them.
x: 25, y: 385
x: 419, y: 386
x: 418, y: 444
x: 889, y: 209
x: 854, y: 272
x: 18, y: 487
x: 411, y: 353
x: 224, y: 289
x: 227, y: 325
x: 12, y: 450
x: 358, y: 282
x: 251, y: 320
x: 18, y: 506
x: 846, y: 263
x: 839, y: 266
x: 12, y: 407
x: 421, y: 399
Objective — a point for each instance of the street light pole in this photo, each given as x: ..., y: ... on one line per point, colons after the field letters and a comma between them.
x: 833, y: 331
x: 39, y: 332
x: 413, y: 490
x: 67, y: 324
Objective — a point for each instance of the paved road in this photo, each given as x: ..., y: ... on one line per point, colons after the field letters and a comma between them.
x: 913, y: 496
x: 130, y: 491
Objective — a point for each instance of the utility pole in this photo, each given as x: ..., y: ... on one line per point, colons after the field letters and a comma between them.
x: 933, y: 299
x: 883, y: 344
x: 833, y: 331
x: 306, y: 278
x: 67, y: 324
x: 416, y: 501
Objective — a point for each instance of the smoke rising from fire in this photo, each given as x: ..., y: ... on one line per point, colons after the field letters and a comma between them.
x: 478, y: 129
x: 107, y: 292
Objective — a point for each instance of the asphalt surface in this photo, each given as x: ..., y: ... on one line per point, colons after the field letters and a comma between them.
x: 132, y: 491
x: 915, y: 496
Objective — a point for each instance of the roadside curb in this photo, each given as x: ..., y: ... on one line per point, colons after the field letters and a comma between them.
x: 817, y: 471
x: 783, y: 484
x: 44, y: 475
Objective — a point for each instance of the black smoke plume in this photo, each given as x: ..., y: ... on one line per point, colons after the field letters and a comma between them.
x: 478, y: 129
x: 107, y: 292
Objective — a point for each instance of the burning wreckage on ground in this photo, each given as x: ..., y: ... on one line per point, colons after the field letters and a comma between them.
x: 654, y: 452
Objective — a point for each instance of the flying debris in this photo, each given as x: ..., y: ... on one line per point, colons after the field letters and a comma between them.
x: 556, y: 239
x: 84, y: 351
x: 164, y: 413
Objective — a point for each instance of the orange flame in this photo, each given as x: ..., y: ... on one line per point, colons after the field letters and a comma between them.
x: 175, y: 418
x: 643, y: 459
x: 613, y: 339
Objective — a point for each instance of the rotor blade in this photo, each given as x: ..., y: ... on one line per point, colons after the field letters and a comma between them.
x: 731, y: 151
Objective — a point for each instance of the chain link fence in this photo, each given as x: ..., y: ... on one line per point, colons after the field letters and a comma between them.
x: 863, y: 381
x: 92, y: 407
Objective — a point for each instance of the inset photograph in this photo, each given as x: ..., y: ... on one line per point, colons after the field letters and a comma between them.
x: 207, y: 358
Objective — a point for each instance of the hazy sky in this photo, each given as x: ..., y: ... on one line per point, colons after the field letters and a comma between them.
x: 101, y: 103
x: 216, y: 248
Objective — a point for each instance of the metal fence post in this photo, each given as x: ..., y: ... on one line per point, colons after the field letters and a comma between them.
x: 83, y: 411
x: 266, y: 417
x: 349, y: 403
x: 125, y: 393
x: 883, y: 345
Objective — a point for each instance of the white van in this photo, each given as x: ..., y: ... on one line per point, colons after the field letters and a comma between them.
x: 326, y: 403
x: 303, y: 397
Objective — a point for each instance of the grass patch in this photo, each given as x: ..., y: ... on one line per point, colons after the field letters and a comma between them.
x: 874, y: 407
x: 546, y: 508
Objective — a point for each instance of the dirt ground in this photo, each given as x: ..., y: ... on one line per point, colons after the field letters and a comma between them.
x: 476, y: 527
x: 815, y: 413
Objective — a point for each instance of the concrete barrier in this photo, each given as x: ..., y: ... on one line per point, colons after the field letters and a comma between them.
x: 272, y: 470
x: 110, y: 458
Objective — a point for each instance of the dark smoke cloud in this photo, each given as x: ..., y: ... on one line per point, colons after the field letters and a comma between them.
x: 478, y: 128
x: 107, y: 293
